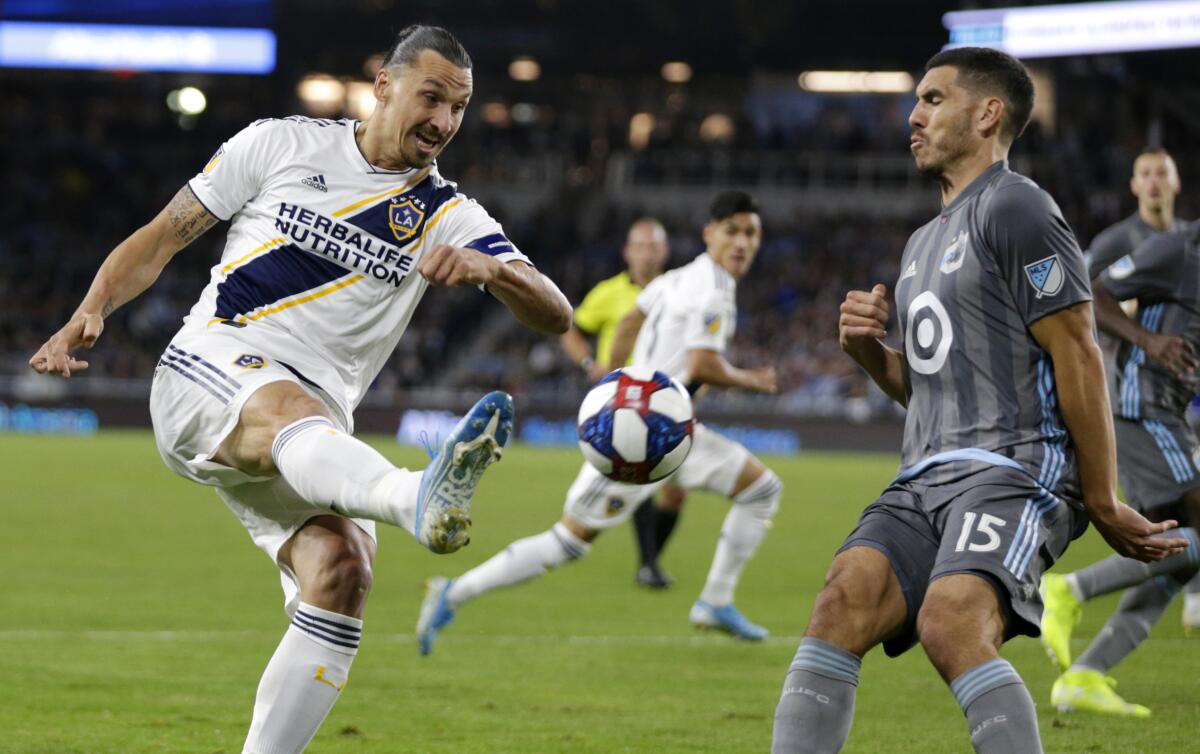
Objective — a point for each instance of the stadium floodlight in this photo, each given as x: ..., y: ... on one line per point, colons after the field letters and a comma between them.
x: 29, y: 44
x: 360, y: 99
x: 321, y: 94
x: 524, y: 68
x: 717, y: 127
x: 1078, y: 29
x: 641, y: 126
x: 677, y: 72
x: 188, y: 101
x: 856, y: 82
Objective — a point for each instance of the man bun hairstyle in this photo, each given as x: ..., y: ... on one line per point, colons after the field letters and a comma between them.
x: 987, y: 71
x: 728, y: 203
x: 415, y: 39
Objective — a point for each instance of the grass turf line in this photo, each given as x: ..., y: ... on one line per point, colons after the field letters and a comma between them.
x: 104, y: 549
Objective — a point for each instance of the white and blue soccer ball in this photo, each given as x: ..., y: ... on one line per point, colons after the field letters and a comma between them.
x: 635, y: 425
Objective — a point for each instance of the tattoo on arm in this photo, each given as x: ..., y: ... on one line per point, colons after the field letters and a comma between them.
x: 107, y: 309
x: 188, y: 216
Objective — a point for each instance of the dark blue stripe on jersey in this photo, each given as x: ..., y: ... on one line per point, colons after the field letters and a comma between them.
x: 492, y: 245
x: 205, y: 363
x: 284, y: 272
x: 374, y: 219
x: 220, y: 387
x: 211, y: 392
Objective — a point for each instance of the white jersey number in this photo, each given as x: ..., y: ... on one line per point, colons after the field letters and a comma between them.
x: 927, y: 342
x: 987, y: 527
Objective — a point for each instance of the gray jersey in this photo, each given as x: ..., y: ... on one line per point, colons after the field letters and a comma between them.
x: 1118, y: 240
x: 1163, y: 274
x: 981, y: 391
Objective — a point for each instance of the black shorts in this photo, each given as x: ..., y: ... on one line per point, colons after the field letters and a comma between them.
x: 997, y: 523
x: 1156, y: 461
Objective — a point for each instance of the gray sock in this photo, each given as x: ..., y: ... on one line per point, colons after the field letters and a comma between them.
x: 1193, y: 586
x: 1116, y: 572
x: 999, y: 709
x: 1139, y: 610
x: 817, y: 706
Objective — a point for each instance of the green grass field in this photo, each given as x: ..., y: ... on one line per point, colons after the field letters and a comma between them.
x: 137, y: 617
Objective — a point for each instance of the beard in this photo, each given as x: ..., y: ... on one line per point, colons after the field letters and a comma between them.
x: 938, y: 156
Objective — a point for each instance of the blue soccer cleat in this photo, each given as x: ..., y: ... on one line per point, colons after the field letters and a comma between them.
x: 448, y: 482
x: 726, y: 618
x: 435, y: 614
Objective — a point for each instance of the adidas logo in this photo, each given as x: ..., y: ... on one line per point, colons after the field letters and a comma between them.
x: 912, y: 270
x: 316, y: 181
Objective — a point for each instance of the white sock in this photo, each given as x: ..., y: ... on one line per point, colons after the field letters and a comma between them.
x: 302, y: 681
x: 744, y: 528
x: 329, y: 468
x: 520, y: 561
x: 1073, y: 585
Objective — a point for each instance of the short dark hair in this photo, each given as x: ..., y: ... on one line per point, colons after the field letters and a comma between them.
x: 989, y: 71
x: 415, y: 39
x: 728, y: 203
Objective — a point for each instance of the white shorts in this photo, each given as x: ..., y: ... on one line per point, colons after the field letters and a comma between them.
x: 200, y: 385
x: 714, y: 464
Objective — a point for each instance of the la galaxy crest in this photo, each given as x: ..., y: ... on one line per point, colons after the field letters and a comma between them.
x: 250, y: 361
x: 405, y: 215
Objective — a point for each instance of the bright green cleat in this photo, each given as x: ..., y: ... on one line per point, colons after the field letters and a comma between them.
x: 1059, y: 618
x: 1091, y: 691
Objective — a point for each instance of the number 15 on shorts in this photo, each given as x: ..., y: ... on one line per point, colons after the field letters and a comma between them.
x: 979, y: 536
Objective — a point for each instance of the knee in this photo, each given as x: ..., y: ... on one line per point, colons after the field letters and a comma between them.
x: 672, y: 498
x: 961, y: 624
x: 844, y: 614
x: 762, y: 495
x: 345, y: 576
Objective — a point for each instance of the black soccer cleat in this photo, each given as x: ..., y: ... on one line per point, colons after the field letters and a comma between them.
x: 654, y: 577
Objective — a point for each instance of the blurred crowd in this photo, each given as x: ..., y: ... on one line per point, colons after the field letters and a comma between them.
x: 82, y: 167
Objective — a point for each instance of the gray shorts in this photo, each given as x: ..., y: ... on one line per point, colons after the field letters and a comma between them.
x: 996, y: 523
x: 1156, y: 462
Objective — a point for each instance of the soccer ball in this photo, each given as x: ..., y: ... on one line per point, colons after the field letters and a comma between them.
x: 635, y: 425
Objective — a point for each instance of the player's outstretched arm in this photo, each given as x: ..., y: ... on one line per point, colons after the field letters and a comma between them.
x: 625, y: 337
x: 532, y: 297
x: 711, y: 368
x: 861, y: 325
x: 127, y: 271
x: 1067, y: 335
x: 579, y: 351
x: 1172, y: 351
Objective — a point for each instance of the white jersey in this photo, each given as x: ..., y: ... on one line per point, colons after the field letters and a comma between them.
x: 318, y: 266
x: 692, y: 307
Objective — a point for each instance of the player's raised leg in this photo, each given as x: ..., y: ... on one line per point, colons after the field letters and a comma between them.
x: 755, y: 494
x: 521, y: 561
x: 284, y: 428
x: 861, y: 604
x: 593, y: 503
x: 331, y: 558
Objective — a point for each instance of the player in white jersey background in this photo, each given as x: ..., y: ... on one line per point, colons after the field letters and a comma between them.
x: 682, y: 324
x: 337, y: 229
